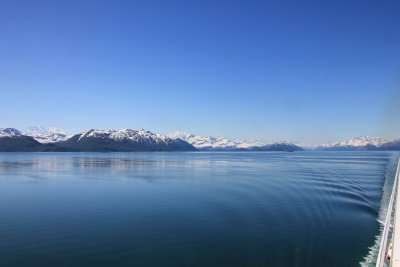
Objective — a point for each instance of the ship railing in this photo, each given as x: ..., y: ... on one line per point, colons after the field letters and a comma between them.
x: 384, y: 244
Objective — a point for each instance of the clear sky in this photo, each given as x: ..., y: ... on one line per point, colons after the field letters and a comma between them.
x: 310, y: 71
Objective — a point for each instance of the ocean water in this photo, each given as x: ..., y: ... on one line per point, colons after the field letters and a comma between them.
x: 192, y: 209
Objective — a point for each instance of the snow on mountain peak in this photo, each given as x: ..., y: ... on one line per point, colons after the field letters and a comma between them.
x: 9, y: 132
x: 139, y: 136
x: 51, y: 135
x: 46, y: 135
x: 223, y: 143
x: 43, y: 130
x: 205, y: 142
x: 357, y: 142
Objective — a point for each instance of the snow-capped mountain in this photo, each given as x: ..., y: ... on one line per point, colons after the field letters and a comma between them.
x: 8, y: 132
x: 46, y: 135
x: 53, y: 139
x: 357, y: 143
x: 139, y: 136
x: 225, y: 144
x: 12, y: 140
x: 391, y: 145
x: 207, y: 143
x: 123, y: 140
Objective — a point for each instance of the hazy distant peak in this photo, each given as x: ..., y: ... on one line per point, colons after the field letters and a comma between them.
x: 46, y: 134
x: 43, y: 129
x: 359, y: 141
x: 223, y: 143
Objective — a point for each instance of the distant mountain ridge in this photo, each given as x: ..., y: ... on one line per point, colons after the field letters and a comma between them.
x: 93, y: 140
x: 212, y: 143
x: 361, y: 143
x: 40, y: 138
x: 46, y: 135
x: 124, y: 140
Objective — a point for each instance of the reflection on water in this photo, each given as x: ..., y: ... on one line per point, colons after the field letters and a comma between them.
x: 7, y: 165
x: 192, y: 209
x: 130, y: 161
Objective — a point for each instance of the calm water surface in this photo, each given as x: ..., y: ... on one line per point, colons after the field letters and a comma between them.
x: 192, y: 209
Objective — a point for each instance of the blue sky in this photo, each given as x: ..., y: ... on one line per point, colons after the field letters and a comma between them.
x: 311, y: 71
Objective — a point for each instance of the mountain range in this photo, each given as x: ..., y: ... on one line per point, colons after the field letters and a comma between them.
x: 54, y: 139
x: 362, y: 143
x: 46, y: 135
x: 91, y: 141
x: 212, y: 143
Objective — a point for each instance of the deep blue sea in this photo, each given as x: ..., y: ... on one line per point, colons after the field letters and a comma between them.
x: 192, y: 209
